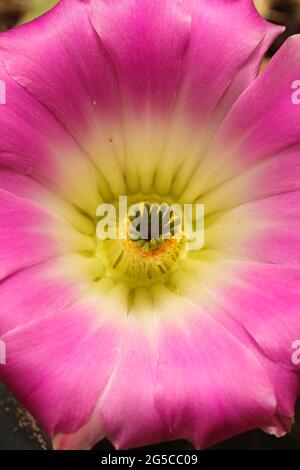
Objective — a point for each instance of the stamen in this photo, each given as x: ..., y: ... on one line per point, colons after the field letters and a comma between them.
x: 151, y: 250
x: 156, y: 224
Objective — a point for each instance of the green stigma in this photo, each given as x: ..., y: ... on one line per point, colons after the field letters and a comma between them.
x: 152, y: 225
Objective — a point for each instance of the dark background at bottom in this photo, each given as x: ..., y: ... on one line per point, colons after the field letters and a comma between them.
x: 19, y: 431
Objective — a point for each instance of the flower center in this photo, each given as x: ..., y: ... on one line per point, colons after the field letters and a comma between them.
x: 151, y: 249
x: 152, y: 225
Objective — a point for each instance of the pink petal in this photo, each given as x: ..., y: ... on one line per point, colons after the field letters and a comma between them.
x: 167, y: 49
x: 271, y: 122
x: 145, y: 61
x: 210, y: 386
x: 70, y: 74
x: 163, y: 57
x: 286, y: 386
x: 34, y: 143
x: 264, y: 298
x: 263, y: 123
x: 27, y: 188
x: 57, y: 283
x: 266, y: 230
x: 29, y: 235
x: 59, y: 365
x: 128, y: 412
